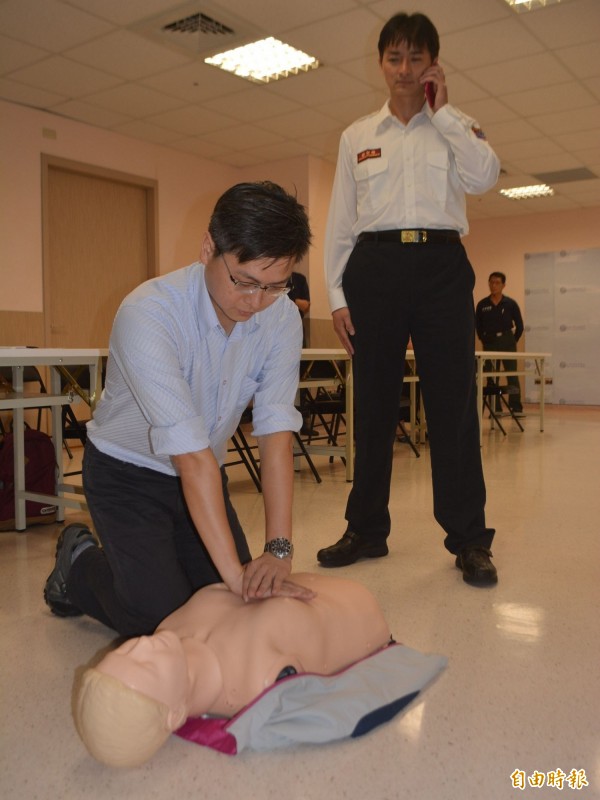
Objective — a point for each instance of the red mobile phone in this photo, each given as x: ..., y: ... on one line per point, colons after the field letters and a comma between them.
x: 430, y: 92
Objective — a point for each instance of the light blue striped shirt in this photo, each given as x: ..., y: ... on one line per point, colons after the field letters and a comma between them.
x: 176, y: 383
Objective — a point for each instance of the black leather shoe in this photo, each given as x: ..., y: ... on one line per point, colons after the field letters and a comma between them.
x: 349, y: 549
x: 477, y: 569
x: 55, y: 590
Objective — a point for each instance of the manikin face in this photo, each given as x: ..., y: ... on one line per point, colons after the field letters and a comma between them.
x: 155, y: 666
x: 402, y: 66
x: 231, y: 304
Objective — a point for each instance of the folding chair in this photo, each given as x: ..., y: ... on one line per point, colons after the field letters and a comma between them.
x: 76, y: 379
x: 242, y: 447
x: 327, y: 406
x: 30, y: 375
x: 300, y: 451
x: 493, y: 392
x: 403, y: 417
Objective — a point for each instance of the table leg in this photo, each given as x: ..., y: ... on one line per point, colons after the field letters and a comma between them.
x: 19, y: 453
x: 57, y: 441
x: 542, y: 371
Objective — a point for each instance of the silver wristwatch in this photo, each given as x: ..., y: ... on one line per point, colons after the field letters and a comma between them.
x: 280, y: 548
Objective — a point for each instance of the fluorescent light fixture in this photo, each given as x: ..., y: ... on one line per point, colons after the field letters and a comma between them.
x: 527, y: 192
x: 530, y: 5
x: 264, y: 61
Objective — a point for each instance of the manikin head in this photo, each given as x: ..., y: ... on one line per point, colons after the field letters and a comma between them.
x: 138, y: 695
x: 215, y: 654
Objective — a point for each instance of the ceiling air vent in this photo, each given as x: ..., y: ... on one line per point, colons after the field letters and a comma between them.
x: 566, y: 175
x: 195, y: 28
x: 197, y: 23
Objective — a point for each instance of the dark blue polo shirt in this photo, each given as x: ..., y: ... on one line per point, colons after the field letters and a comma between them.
x: 492, y: 319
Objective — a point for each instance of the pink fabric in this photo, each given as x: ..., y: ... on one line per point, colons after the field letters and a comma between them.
x: 210, y: 732
x: 310, y: 708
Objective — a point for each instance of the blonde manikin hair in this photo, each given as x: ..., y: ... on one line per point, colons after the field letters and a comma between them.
x: 119, y: 726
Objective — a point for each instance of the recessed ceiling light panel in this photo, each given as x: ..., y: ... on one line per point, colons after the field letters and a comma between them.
x: 264, y: 61
x: 528, y: 192
x: 531, y: 5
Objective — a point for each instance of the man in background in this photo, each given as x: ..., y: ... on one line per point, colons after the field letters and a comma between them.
x: 300, y: 293
x: 500, y: 326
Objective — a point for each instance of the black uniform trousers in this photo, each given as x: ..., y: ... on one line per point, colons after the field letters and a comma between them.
x: 505, y: 342
x: 422, y: 291
x: 152, y: 558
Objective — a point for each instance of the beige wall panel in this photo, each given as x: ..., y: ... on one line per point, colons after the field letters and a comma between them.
x: 98, y: 242
x: 322, y: 333
x: 18, y: 328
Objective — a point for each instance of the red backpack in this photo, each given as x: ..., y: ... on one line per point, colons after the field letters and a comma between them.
x: 40, y: 476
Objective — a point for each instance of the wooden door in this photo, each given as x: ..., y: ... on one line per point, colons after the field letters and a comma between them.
x: 99, y: 244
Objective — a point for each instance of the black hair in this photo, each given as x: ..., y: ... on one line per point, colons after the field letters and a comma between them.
x: 500, y: 275
x: 259, y: 220
x: 415, y: 29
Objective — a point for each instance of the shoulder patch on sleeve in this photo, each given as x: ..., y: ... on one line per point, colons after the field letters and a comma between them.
x: 478, y: 133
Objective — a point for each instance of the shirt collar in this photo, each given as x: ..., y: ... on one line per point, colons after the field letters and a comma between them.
x: 385, y: 117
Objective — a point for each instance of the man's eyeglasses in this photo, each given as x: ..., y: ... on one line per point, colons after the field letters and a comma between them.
x: 246, y: 287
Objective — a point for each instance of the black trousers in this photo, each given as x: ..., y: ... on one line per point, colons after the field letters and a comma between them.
x: 152, y: 558
x: 504, y: 343
x: 396, y: 291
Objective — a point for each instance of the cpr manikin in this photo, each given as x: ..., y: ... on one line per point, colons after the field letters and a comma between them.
x: 216, y: 654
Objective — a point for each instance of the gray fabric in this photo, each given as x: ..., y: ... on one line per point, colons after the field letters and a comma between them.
x: 315, y: 708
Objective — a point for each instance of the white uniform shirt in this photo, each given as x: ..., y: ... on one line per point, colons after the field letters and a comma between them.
x: 391, y: 176
x: 176, y: 383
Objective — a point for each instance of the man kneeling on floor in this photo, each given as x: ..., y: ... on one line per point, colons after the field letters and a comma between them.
x: 188, y: 352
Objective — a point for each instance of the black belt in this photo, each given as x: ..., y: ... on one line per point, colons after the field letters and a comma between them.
x: 494, y: 335
x: 423, y: 236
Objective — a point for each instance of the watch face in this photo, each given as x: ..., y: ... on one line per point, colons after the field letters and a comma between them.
x: 280, y: 548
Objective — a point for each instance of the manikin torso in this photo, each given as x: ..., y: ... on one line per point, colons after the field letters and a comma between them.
x: 217, y: 653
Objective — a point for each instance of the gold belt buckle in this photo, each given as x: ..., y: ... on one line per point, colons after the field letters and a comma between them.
x: 413, y: 237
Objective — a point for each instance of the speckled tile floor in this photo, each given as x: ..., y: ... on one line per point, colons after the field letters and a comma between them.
x: 521, y: 688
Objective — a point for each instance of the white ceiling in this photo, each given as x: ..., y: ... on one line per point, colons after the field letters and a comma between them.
x: 531, y: 80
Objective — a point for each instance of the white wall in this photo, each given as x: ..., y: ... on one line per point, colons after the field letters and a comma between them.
x: 188, y: 188
x: 501, y: 244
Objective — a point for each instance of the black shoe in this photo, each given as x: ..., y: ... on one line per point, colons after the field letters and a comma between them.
x: 349, y: 549
x: 477, y: 569
x: 55, y: 590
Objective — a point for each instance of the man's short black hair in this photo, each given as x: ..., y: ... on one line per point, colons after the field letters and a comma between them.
x: 415, y: 29
x: 500, y: 275
x: 259, y: 220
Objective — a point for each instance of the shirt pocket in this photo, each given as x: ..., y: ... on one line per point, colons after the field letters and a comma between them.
x: 437, y: 174
x: 372, y: 185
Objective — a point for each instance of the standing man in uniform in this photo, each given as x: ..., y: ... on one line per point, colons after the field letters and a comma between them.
x: 396, y: 268
x: 500, y: 326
